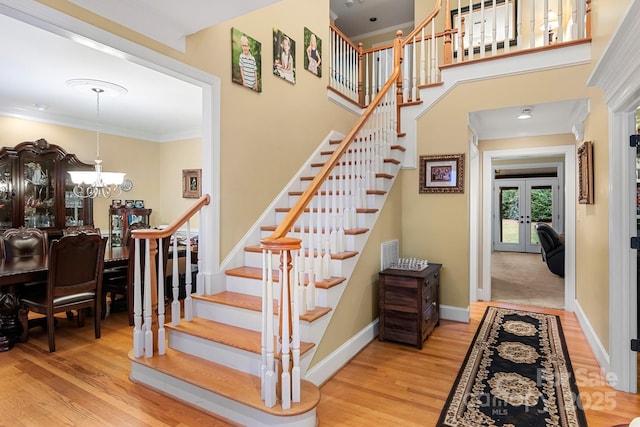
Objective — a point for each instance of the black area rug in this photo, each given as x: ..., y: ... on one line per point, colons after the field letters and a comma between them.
x: 516, y: 373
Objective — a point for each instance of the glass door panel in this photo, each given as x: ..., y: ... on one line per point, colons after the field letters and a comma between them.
x: 521, y: 204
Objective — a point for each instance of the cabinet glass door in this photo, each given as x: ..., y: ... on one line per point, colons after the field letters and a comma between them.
x: 73, y: 205
x: 7, y: 195
x: 39, y: 192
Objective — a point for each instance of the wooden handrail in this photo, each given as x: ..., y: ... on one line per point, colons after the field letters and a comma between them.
x: 293, y: 215
x: 423, y: 24
x: 172, y: 228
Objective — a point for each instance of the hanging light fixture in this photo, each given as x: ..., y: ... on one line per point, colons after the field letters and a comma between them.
x: 96, y: 183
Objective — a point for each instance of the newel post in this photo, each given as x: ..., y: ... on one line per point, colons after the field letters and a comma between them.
x: 287, y: 386
x: 448, y: 30
x: 397, y: 62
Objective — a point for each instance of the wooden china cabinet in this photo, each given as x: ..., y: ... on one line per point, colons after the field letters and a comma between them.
x: 36, y: 190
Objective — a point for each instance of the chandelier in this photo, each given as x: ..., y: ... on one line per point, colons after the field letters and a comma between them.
x: 96, y: 183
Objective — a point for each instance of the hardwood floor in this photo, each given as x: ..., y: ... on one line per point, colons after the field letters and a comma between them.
x: 85, y: 382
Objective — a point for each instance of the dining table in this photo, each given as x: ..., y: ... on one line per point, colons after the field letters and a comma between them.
x: 15, y: 272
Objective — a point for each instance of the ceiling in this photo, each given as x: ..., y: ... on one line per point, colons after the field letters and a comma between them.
x: 353, y: 17
x: 157, y: 107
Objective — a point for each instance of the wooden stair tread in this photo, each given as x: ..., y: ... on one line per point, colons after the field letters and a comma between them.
x: 254, y: 303
x: 235, y: 385
x: 378, y: 175
x: 232, y: 336
x: 330, y: 192
x: 323, y: 210
x: 338, y: 256
x: 348, y: 232
x: 256, y: 273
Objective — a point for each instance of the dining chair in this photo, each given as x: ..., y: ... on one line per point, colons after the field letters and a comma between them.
x: 74, y: 282
x: 23, y: 242
x: 77, y: 229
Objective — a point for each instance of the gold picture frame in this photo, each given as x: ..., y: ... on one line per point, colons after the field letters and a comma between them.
x: 442, y: 173
x: 585, y: 173
x: 191, y: 183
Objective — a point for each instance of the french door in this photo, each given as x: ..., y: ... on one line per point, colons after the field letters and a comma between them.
x: 519, y: 205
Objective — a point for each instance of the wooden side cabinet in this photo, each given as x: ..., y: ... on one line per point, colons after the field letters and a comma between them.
x: 120, y: 219
x: 409, y: 304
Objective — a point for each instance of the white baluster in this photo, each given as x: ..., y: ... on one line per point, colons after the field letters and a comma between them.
x: 285, y: 316
x: 263, y: 328
x: 270, y: 376
x: 147, y: 312
x: 188, y: 301
x: 295, y: 342
x: 161, y: 287
x: 175, y: 286
x: 138, y: 335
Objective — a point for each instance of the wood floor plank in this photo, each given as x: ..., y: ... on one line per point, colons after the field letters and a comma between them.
x: 85, y: 382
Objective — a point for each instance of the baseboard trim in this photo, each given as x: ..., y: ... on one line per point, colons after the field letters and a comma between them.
x: 330, y: 365
x: 602, y: 356
x: 456, y: 314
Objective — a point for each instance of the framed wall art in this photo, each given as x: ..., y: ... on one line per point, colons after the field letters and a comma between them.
x: 284, y: 56
x: 246, y: 60
x: 312, y: 52
x: 442, y: 173
x: 585, y: 173
x: 191, y: 183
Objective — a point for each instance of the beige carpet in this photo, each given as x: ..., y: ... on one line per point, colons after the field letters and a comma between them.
x: 522, y: 278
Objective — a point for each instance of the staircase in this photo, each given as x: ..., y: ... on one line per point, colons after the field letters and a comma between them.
x: 216, y: 358
x: 214, y: 361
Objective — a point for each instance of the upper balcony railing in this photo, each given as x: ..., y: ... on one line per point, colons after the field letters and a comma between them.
x: 465, y: 30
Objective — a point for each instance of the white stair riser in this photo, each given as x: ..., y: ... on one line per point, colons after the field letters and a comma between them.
x: 249, y: 319
x: 231, y: 357
x: 215, y: 352
x: 244, y: 285
x: 254, y: 259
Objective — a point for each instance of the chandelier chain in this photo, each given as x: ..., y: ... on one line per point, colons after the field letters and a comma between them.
x: 98, y: 91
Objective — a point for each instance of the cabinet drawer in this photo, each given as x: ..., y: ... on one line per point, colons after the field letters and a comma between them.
x: 400, y: 320
x: 400, y: 299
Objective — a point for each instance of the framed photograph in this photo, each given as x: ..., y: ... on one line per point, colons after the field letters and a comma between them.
x: 116, y: 203
x: 312, y: 52
x: 585, y: 173
x: 246, y: 60
x: 442, y: 173
x: 139, y: 204
x: 474, y: 21
x: 191, y: 185
x: 284, y: 56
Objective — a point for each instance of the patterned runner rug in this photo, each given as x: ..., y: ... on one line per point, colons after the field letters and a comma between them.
x: 516, y: 373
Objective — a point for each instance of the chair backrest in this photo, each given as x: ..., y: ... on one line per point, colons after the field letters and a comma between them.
x: 76, y: 263
x: 77, y: 229
x: 548, y: 237
x: 23, y: 242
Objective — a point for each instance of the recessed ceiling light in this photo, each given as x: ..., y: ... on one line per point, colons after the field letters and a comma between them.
x: 373, y: 19
x: 41, y: 107
x: 526, y: 113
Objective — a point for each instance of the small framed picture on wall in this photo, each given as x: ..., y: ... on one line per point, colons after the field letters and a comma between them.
x: 191, y: 185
